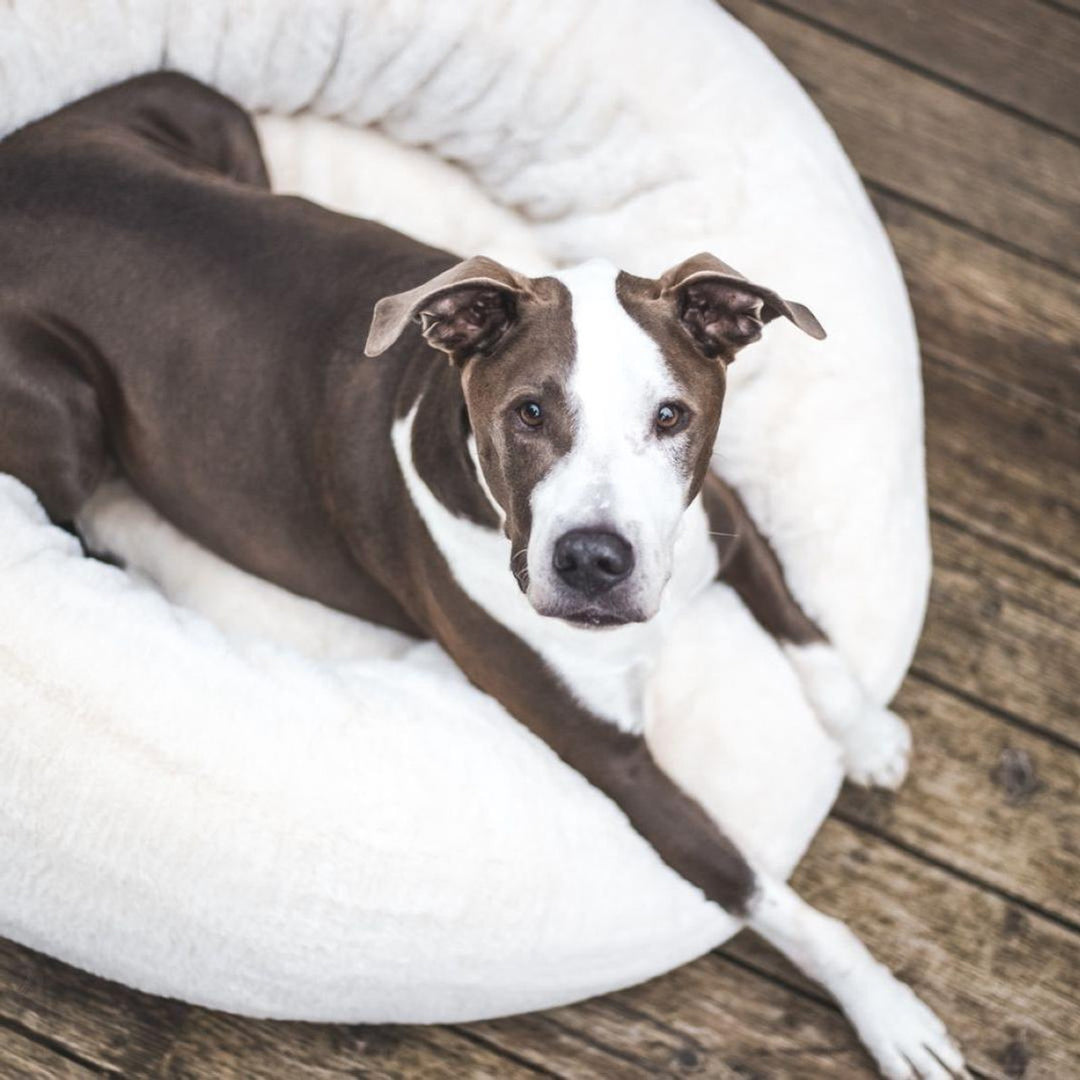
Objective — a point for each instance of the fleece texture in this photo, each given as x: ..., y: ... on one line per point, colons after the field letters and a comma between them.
x: 217, y: 791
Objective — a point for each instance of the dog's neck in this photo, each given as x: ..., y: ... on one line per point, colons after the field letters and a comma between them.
x: 442, y: 448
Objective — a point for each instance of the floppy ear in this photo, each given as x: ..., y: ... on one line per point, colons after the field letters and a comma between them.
x: 462, y: 311
x: 722, y: 311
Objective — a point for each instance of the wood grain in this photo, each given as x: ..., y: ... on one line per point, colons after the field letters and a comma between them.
x: 1005, y: 980
x: 708, y: 1019
x: 24, y: 1059
x: 993, y: 313
x: 1023, y: 55
x: 1002, y: 631
x: 214, y: 1046
x: 1005, y: 468
x: 994, y: 801
x: 1001, y: 340
x: 935, y: 145
x: 110, y: 1027
x: 118, y: 1031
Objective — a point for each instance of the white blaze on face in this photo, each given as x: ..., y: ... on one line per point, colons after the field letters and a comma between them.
x: 618, y: 475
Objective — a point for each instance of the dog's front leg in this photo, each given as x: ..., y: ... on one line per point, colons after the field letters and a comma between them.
x: 906, y: 1039
x: 876, y: 743
x: 904, y: 1036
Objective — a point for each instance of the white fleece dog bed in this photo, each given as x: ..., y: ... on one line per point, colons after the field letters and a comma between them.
x: 214, y: 790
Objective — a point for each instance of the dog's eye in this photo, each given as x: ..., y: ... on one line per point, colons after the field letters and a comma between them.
x: 531, y: 414
x: 670, y: 418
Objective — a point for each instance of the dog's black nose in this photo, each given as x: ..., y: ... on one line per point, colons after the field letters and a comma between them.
x: 591, y: 562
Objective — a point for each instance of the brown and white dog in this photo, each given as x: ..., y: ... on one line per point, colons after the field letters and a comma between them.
x: 516, y: 467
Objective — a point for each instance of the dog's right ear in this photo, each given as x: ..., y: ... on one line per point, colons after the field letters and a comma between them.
x: 722, y: 311
x: 463, y: 311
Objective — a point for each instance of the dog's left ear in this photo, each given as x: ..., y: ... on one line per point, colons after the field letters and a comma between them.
x: 463, y: 311
x: 722, y: 311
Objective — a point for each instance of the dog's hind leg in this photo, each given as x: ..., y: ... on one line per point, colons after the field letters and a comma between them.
x: 52, y: 436
x: 192, y: 123
x: 876, y: 743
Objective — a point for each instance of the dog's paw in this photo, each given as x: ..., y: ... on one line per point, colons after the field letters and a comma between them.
x: 875, y: 743
x: 876, y: 749
x: 904, y: 1035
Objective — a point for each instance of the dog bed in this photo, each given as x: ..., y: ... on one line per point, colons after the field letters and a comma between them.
x: 214, y: 790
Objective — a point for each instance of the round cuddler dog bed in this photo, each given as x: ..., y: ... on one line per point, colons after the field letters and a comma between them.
x: 214, y: 790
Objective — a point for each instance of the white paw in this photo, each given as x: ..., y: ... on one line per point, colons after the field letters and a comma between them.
x: 875, y: 743
x: 906, y: 1039
x: 876, y: 749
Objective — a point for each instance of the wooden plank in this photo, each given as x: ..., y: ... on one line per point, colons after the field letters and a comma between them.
x: 992, y: 312
x: 215, y: 1046
x: 1006, y: 981
x: 1009, y: 470
x: 1023, y: 55
x: 745, y: 1024
x: 561, y: 1042
x: 707, y: 1019
x: 116, y: 1030
x: 1002, y: 630
x: 24, y: 1059
x: 107, y: 1025
x: 1002, y: 382
x: 935, y: 145
x: 998, y: 803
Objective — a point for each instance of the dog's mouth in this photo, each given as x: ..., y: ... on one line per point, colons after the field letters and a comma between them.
x: 594, y: 620
x: 600, y: 620
x: 616, y: 607
x: 590, y: 616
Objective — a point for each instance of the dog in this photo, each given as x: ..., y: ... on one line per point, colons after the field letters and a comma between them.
x: 516, y: 467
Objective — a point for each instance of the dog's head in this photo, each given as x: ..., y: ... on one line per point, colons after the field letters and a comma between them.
x: 594, y: 397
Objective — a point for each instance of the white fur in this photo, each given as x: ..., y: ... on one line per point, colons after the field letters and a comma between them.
x: 905, y: 1037
x: 253, y: 826
x: 617, y: 475
x: 474, y: 457
x: 875, y: 741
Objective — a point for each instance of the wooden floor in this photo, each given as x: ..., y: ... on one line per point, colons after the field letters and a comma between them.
x: 963, y: 118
